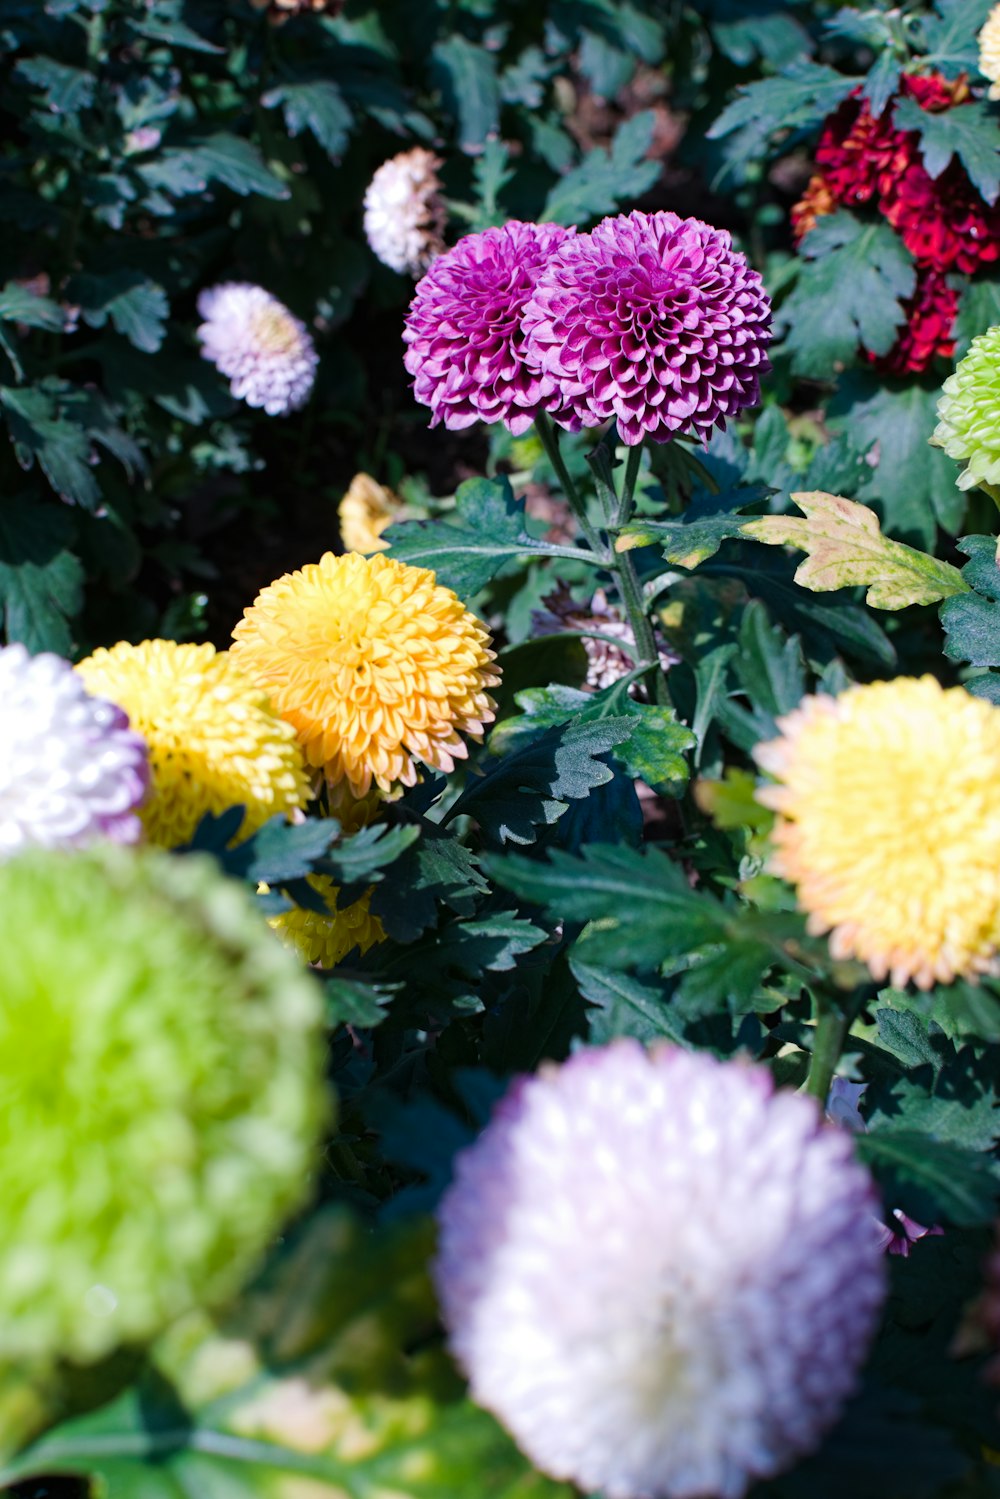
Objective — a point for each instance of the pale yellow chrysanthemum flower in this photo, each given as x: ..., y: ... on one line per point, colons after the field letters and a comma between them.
x: 889, y: 826
x: 214, y: 740
x: 375, y: 665
x: 327, y: 939
x: 989, y: 51
x: 364, y: 513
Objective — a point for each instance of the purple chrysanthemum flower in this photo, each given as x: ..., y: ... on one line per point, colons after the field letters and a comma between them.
x: 265, y: 351
x: 654, y: 320
x: 660, y: 1273
x: 71, y: 770
x: 466, y: 345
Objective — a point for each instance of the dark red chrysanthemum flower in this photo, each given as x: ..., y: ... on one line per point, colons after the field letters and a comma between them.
x: 930, y: 319
x: 943, y: 221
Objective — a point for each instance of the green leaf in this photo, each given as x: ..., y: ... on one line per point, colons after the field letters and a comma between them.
x: 41, y: 581
x: 931, y: 1179
x: 493, y: 944
x: 437, y: 869
x: 972, y: 620
x: 968, y: 131
x: 978, y: 311
x: 467, y: 76
x: 221, y: 158
x: 604, y: 179
x: 363, y: 858
x: 653, y: 752
x: 62, y: 448
x: 625, y: 1006
x: 534, y: 785
x: 20, y: 305
x: 950, y: 35
x: 352, y: 1001
x: 910, y: 483
x: 138, y: 307
x: 67, y: 90
x: 466, y: 552
x: 860, y: 270
x: 694, y: 536
x: 802, y: 95
x: 316, y: 105
x: 278, y: 852
x: 846, y: 548
x: 326, y: 1378
x: 175, y: 33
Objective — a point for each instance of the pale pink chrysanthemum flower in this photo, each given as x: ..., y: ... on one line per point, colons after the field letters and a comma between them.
x: 653, y: 320
x: 71, y: 770
x: 612, y: 653
x: 265, y: 351
x: 465, y: 343
x: 405, y: 214
x: 660, y: 1273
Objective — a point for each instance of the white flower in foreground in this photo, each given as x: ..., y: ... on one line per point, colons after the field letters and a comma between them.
x: 405, y: 214
x: 659, y: 1273
x: 265, y: 351
x: 71, y: 770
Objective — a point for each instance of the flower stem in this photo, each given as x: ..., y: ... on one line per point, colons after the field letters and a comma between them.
x: 627, y: 499
x: 828, y: 1043
x: 647, y: 657
x: 550, y: 442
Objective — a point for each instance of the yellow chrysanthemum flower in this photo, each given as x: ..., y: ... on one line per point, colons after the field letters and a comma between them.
x: 214, y: 740
x: 364, y: 513
x: 327, y: 939
x: 989, y: 51
x: 889, y: 825
x: 374, y: 664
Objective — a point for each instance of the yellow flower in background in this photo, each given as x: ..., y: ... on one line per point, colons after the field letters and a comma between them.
x: 375, y: 665
x: 989, y: 51
x: 214, y: 740
x: 327, y: 939
x: 366, y: 510
x: 889, y: 825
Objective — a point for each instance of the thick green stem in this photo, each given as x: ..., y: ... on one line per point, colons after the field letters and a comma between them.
x: 624, y: 512
x: 828, y: 1043
x: 646, y: 655
x: 550, y: 442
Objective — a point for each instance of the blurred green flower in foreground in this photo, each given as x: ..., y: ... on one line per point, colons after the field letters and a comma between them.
x: 161, y: 1095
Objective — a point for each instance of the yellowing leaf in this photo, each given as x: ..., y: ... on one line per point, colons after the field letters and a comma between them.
x: 846, y: 548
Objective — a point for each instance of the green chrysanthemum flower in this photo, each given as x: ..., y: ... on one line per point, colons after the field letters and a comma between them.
x: 161, y: 1095
x: 969, y: 415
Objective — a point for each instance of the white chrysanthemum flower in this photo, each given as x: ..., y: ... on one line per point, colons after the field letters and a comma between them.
x: 265, y: 351
x: 71, y: 770
x: 989, y: 51
x: 659, y: 1273
x: 405, y: 214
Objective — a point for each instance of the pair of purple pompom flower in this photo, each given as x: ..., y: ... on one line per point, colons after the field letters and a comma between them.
x: 652, y: 320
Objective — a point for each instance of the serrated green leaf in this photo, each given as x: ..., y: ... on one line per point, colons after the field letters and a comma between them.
x: 277, y: 853
x: 437, y: 869
x: 969, y: 131
x: 20, y: 305
x: 950, y: 35
x: 312, y: 1383
x: 137, y: 306
x: 605, y: 178
x: 466, y: 552
x: 174, y: 32
x: 931, y: 1179
x: 972, y: 620
x: 862, y: 270
x: 803, y: 94
x: 534, y: 785
x: 655, y: 750
x: 846, y: 548
x: 225, y: 158
x: 67, y: 90
x: 694, y: 536
x: 978, y: 310
x: 910, y: 483
x: 363, y: 857
x: 467, y: 75
x: 41, y: 581
x: 61, y: 447
x: 625, y: 1006
x: 353, y: 1001
x: 316, y: 105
